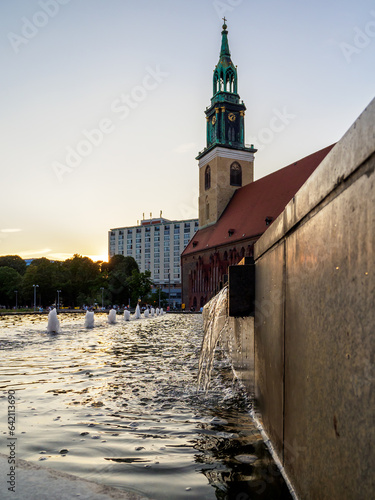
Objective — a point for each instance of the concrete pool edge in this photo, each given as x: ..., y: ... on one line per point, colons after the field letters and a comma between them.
x: 35, y: 482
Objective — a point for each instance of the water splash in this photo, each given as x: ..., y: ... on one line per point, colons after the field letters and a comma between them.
x: 137, y: 313
x: 89, y: 319
x: 53, y: 325
x: 215, y: 321
x: 112, y: 316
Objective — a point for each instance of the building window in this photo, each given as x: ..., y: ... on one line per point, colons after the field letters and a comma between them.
x: 235, y: 174
x: 207, y: 178
x: 207, y: 210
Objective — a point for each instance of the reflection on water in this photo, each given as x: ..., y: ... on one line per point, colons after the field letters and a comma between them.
x: 119, y: 404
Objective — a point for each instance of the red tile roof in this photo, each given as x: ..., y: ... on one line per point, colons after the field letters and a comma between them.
x: 246, y: 212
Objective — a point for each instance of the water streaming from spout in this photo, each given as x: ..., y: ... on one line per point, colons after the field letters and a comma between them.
x: 215, y: 321
x: 53, y: 325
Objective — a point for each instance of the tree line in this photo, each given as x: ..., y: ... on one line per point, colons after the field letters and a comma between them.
x: 81, y: 281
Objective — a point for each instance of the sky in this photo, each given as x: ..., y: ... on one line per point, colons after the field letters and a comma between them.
x: 102, y: 104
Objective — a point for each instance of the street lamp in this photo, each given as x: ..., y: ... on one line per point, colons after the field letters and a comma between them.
x: 102, y: 289
x: 58, y: 299
x: 16, y: 292
x: 35, y: 287
x: 169, y: 289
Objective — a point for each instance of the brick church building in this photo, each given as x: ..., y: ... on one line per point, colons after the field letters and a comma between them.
x: 234, y: 210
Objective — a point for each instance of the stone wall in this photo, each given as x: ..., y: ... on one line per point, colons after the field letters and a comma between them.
x: 314, y: 325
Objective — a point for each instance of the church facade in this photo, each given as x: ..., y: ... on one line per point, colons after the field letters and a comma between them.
x: 234, y: 211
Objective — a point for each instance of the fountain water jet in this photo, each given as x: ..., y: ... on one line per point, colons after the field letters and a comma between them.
x: 157, y: 311
x: 152, y: 312
x: 146, y: 313
x: 215, y: 321
x: 53, y: 325
x: 127, y: 315
x: 112, y: 316
x: 137, y: 313
x: 89, y: 319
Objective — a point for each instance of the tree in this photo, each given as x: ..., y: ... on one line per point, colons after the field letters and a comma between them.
x: 10, y: 280
x: 140, y: 285
x: 47, y: 275
x: 120, y: 271
x: 81, y: 280
x: 15, y: 262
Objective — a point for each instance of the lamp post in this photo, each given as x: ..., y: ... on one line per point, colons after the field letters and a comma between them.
x: 35, y: 287
x: 102, y: 289
x: 16, y: 292
x: 58, y: 299
x: 159, y: 294
x: 169, y: 289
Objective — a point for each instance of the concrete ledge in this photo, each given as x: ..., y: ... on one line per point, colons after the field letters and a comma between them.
x: 341, y: 162
x: 40, y: 483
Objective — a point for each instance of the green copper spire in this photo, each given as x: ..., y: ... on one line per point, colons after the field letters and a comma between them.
x: 225, y: 117
x: 225, y: 52
x: 225, y: 73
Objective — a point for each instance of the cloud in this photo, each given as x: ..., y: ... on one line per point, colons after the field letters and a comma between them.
x: 185, y: 148
x: 29, y: 254
x: 10, y: 230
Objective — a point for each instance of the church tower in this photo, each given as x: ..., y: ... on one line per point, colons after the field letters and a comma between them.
x: 226, y: 163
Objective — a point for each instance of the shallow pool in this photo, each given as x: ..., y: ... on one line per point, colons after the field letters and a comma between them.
x: 118, y: 404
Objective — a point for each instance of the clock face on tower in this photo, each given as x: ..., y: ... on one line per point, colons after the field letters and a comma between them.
x: 232, y: 117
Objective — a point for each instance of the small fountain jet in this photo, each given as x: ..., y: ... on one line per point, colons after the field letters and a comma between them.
x: 137, y: 313
x: 89, y: 319
x: 53, y: 325
x: 112, y: 316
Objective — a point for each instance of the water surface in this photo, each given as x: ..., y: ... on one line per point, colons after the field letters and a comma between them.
x: 118, y: 404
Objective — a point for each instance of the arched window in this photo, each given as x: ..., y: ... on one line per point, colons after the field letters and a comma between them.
x: 207, y: 178
x: 235, y: 174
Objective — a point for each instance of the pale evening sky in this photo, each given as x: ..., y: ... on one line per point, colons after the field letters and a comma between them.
x: 134, y: 78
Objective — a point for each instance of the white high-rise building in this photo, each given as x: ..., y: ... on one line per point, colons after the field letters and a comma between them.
x: 156, y: 245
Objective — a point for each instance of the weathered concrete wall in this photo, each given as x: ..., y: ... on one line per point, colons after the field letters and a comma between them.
x: 314, y: 325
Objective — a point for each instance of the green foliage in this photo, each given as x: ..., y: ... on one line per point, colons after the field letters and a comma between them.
x: 13, y: 261
x: 47, y: 275
x: 140, y: 285
x: 10, y: 280
x: 79, y: 279
x: 120, y: 271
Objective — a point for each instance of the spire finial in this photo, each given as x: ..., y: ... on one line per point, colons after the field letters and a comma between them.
x: 225, y: 23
